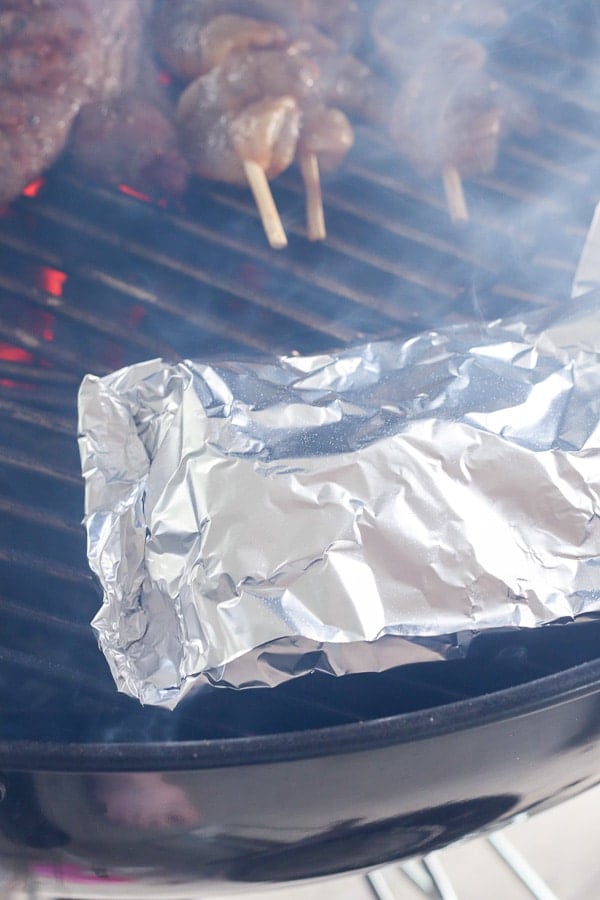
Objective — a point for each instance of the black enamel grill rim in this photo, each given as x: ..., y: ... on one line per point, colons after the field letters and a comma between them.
x: 501, y: 706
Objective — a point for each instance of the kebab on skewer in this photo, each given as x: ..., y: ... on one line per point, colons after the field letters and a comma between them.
x: 265, y: 92
x: 448, y: 113
x: 250, y: 117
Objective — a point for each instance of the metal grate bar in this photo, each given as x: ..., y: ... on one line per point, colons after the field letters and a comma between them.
x: 41, y: 666
x: 17, y: 413
x: 62, y: 307
x: 199, y: 319
x: 529, y: 297
x: 365, y: 255
x: 199, y: 274
x: 47, y: 350
x: 542, y: 162
x: 48, y: 567
x: 40, y: 617
x: 37, y: 374
x: 33, y: 465
x: 414, y: 235
x: 37, y: 516
x: 535, y: 83
x: 286, y: 262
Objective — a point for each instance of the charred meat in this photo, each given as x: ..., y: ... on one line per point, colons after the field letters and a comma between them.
x: 56, y: 56
x: 66, y: 63
x: 130, y: 141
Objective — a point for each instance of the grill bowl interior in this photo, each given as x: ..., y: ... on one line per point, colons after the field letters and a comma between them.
x: 94, y: 278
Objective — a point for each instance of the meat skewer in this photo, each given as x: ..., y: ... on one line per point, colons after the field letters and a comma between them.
x: 449, y: 113
x: 455, y: 195
x: 315, y: 216
x: 231, y: 116
x: 269, y: 215
x: 325, y: 139
x: 265, y: 101
x: 228, y: 119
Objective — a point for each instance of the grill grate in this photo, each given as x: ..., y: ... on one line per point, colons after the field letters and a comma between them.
x: 93, y: 279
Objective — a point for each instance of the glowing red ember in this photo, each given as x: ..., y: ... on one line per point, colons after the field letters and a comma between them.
x: 33, y: 188
x: 52, y: 281
x: 131, y: 192
x: 10, y: 353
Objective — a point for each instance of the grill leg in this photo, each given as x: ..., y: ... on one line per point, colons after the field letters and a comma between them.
x: 520, y: 868
x: 379, y: 886
x: 427, y: 874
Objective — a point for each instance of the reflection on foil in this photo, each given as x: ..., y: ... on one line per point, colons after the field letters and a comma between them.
x: 252, y: 521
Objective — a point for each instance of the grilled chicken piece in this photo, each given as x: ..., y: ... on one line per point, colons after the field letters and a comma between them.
x: 258, y: 104
x: 249, y: 118
x: 341, y: 20
x: 449, y: 115
x: 456, y: 115
x: 192, y: 36
x: 217, y: 142
x: 344, y: 81
x: 191, y: 46
x: 327, y: 135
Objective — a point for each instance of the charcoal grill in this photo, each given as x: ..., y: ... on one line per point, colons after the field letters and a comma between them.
x: 319, y: 775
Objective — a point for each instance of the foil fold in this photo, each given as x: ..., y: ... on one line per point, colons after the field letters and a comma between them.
x: 252, y: 521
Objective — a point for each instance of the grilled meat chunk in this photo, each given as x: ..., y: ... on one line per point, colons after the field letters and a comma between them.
x: 448, y: 111
x: 192, y: 36
x: 75, y: 66
x: 258, y: 106
x: 131, y: 141
x: 56, y: 57
x: 190, y: 46
x: 246, y: 108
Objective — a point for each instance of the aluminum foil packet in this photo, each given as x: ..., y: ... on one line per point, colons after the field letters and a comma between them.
x: 253, y: 521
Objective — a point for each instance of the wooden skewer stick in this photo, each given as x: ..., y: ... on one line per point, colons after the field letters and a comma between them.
x: 269, y: 216
x: 315, y: 217
x: 455, y: 196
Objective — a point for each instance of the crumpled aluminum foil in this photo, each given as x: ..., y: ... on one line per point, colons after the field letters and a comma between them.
x: 252, y: 521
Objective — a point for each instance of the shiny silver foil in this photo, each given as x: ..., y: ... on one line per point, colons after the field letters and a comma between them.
x: 252, y: 521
